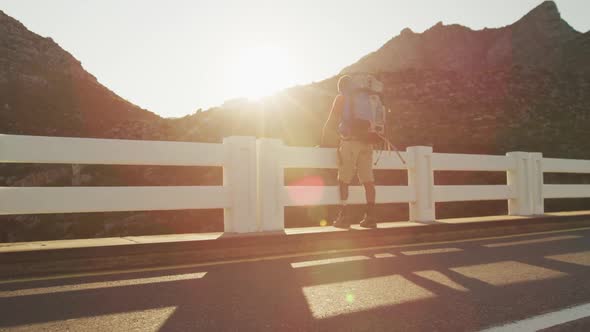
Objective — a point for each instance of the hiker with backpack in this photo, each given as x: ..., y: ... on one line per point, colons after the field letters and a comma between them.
x: 360, y: 117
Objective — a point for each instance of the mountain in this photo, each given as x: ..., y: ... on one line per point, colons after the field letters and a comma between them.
x: 538, y: 40
x: 45, y: 91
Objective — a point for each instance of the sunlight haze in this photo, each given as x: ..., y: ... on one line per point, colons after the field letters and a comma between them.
x: 175, y: 57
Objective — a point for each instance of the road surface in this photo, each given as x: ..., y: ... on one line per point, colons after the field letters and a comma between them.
x: 453, y: 286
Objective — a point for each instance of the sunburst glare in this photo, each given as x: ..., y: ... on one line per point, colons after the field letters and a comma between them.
x: 260, y: 71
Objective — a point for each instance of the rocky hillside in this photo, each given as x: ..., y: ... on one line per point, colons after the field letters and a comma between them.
x: 45, y: 91
x: 541, y: 39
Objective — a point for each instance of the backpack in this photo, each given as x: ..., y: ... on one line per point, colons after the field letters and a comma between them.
x: 363, y: 116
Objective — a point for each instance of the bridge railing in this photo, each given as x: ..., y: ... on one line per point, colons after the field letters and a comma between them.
x: 551, y: 165
x: 236, y: 155
x: 274, y: 157
x: 420, y: 163
x: 254, y: 194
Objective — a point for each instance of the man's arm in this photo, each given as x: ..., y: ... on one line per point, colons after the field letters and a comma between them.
x: 333, y: 118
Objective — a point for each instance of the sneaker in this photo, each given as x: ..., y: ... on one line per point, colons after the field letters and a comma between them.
x: 369, y: 222
x: 341, y: 221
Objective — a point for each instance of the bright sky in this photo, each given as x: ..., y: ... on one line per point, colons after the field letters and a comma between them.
x: 173, y: 57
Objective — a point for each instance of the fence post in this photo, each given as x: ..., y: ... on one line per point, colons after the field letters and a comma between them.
x: 270, y: 185
x: 536, y: 182
x: 239, y: 177
x: 421, y: 178
x: 518, y: 180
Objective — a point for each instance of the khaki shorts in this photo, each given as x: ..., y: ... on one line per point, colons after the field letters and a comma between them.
x: 355, y: 157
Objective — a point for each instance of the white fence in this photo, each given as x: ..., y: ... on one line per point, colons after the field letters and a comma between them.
x: 254, y: 195
x: 237, y: 156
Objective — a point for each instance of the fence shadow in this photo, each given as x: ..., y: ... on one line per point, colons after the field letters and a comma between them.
x: 412, y: 288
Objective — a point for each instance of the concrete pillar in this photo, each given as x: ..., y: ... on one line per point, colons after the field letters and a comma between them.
x: 270, y: 185
x: 518, y: 180
x: 239, y: 177
x: 421, y: 178
x: 535, y: 172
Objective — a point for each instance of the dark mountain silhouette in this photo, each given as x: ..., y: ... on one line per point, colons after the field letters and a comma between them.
x: 45, y: 91
x: 523, y: 87
x: 538, y: 40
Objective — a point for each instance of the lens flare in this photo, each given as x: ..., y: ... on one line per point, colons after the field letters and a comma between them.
x: 349, y: 298
x: 307, y: 191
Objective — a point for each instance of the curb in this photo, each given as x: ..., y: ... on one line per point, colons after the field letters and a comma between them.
x: 144, y: 255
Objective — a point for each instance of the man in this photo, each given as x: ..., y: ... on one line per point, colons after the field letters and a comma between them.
x: 355, y: 156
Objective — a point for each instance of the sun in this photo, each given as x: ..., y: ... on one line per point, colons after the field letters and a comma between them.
x: 261, y: 71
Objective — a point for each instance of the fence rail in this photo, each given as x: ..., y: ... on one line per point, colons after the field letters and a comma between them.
x: 471, y: 162
x: 566, y: 190
x: 41, y: 200
x: 65, y: 150
x: 254, y: 194
x: 472, y: 193
x: 551, y: 165
x: 325, y: 158
x: 328, y: 195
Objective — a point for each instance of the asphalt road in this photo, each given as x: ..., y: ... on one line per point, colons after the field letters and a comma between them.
x: 454, y: 286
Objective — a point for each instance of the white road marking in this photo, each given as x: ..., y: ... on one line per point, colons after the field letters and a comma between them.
x: 546, y: 320
x: 277, y: 257
x: 430, y: 251
x: 326, y: 261
x: 547, y: 239
x: 384, y: 255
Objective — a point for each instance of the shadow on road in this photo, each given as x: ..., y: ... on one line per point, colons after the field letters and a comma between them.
x: 455, y: 286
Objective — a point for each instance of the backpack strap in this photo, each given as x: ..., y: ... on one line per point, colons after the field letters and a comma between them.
x: 344, y: 127
x: 348, y: 107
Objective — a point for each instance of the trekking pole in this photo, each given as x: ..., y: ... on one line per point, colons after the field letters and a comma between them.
x: 398, y: 154
x: 394, y: 148
x: 391, y: 144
